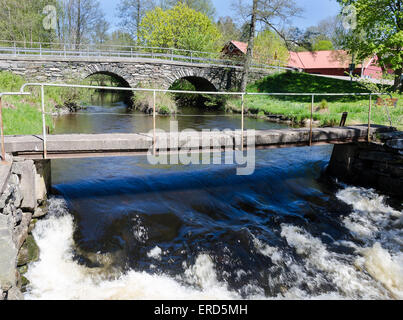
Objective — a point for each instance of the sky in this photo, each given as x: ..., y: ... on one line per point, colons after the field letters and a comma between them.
x: 314, y: 11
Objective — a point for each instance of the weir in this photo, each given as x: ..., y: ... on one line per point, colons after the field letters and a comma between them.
x: 369, y: 155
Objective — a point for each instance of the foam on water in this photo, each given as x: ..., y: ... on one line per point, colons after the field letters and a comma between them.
x: 379, y: 227
x: 58, y: 276
x: 310, y: 269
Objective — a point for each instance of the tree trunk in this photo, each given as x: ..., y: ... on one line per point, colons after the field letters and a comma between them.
x: 138, y: 21
x: 78, y: 31
x: 249, y: 53
x: 398, y: 80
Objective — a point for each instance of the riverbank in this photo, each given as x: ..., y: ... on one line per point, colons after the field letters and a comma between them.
x: 22, y: 114
x: 328, y: 110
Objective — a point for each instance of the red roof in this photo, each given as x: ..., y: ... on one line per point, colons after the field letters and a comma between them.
x: 331, y: 59
x: 320, y: 59
x: 241, y: 46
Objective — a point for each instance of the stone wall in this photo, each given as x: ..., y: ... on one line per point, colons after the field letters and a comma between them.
x: 24, y: 189
x: 150, y: 73
x: 376, y: 165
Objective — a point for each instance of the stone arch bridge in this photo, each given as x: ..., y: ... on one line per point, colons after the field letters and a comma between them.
x: 131, y: 72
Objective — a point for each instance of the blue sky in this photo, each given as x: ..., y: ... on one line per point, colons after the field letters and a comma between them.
x: 315, y: 10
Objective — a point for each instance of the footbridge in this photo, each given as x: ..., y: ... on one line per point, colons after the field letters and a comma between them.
x: 47, y: 146
x: 131, y: 66
x: 111, y: 145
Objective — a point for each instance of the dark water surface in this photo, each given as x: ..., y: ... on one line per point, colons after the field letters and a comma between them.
x: 124, y: 229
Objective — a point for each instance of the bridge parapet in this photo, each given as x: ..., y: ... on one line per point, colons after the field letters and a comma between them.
x: 149, y: 72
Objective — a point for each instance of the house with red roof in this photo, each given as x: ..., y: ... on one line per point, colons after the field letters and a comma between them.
x: 334, y: 63
x: 235, y: 49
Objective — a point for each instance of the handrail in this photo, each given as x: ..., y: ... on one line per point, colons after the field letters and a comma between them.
x: 70, y: 50
x: 154, y: 91
x: 127, y: 47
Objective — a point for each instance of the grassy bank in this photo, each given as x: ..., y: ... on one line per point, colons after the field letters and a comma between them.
x: 328, y: 110
x: 22, y: 114
x: 164, y: 103
x: 171, y: 103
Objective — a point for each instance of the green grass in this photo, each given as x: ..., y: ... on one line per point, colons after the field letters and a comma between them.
x: 22, y: 114
x: 297, y: 108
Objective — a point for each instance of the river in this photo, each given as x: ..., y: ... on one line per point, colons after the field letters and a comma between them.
x: 120, y: 228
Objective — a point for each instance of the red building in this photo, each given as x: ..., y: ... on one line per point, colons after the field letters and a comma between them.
x: 234, y: 49
x: 334, y: 63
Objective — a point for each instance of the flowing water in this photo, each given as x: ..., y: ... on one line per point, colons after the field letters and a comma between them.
x: 120, y: 228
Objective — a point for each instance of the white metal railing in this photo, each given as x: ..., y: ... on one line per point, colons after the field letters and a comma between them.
x: 40, y: 49
x: 154, y: 91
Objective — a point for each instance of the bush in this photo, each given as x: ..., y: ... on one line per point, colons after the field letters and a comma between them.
x: 323, y: 105
x: 164, y: 110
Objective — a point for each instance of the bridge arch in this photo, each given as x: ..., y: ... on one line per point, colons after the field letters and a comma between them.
x: 199, y: 78
x: 116, y: 73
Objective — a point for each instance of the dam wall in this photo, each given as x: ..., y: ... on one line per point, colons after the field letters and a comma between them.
x: 377, y: 165
x: 24, y: 185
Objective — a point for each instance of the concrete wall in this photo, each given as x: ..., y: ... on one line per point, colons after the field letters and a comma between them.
x: 150, y: 73
x: 24, y: 185
x: 376, y: 165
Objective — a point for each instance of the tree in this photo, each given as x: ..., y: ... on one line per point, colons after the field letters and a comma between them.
x: 79, y: 21
x: 249, y: 53
x: 204, y: 6
x: 23, y: 21
x: 101, y: 32
x: 270, y: 49
x: 179, y: 27
x: 270, y: 14
x: 131, y: 12
x: 228, y: 29
x: 121, y: 38
x: 245, y: 32
x: 379, y: 30
x: 322, y: 45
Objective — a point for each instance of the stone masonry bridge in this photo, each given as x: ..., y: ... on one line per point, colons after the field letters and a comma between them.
x: 130, y: 72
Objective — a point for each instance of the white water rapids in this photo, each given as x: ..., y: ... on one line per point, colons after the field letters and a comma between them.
x: 374, y: 271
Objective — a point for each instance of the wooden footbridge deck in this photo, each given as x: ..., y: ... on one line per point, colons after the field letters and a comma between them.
x: 106, y: 145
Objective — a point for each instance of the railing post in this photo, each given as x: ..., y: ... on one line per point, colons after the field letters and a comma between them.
x: 15, y: 49
x: 3, y: 148
x: 243, y: 120
x: 311, y: 124
x: 40, y: 49
x: 172, y: 54
x: 154, y: 120
x: 369, y: 117
x: 45, y: 153
x: 191, y: 58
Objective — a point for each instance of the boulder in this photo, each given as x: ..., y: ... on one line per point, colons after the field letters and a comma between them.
x: 4, y: 197
x: 28, y: 253
x: 14, y: 294
x: 8, y: 253
x: 26, y: 170
x: 39, y: 213
x: 21, y: 231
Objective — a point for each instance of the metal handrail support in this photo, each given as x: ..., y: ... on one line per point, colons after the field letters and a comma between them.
x: 155, y: 91
x: 3, y: 148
